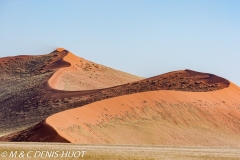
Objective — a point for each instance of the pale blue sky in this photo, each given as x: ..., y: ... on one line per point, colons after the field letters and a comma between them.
x: 142, y: 37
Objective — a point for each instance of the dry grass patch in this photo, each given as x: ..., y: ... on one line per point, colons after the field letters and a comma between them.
x: 127, y: 152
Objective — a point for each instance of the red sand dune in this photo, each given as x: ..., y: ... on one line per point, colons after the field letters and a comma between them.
x: 157, y: 117
x: 31, y: 99
x: 86, y: 75
x: 176, y: 108
x: 27, y: 97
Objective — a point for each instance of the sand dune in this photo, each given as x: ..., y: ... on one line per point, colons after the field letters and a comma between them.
x: 27, y: 97
x: 157, y: 117
x: 163, y: 117
x: 86, y: 75
x: 176, y: 108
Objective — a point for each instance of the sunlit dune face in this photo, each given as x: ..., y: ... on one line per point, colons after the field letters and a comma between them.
x: 85, y: 75
x: 158, y: 117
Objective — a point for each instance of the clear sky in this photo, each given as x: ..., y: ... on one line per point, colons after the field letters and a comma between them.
x: 142, y: 37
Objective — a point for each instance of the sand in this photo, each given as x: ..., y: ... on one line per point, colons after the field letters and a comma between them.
x: 85, y: 75
x: 177, y: 108
x: 32, y: 99
x: 156, y: 117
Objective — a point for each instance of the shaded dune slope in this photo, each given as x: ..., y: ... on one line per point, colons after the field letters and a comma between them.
x: 21, y: 90
x: 42, y: 132
x: 29, y: 98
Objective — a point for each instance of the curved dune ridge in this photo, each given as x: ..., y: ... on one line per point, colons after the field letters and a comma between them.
x: 27, y: 97
x: 86, y: 75
x: 21, y: 79
x: 157, y: 117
